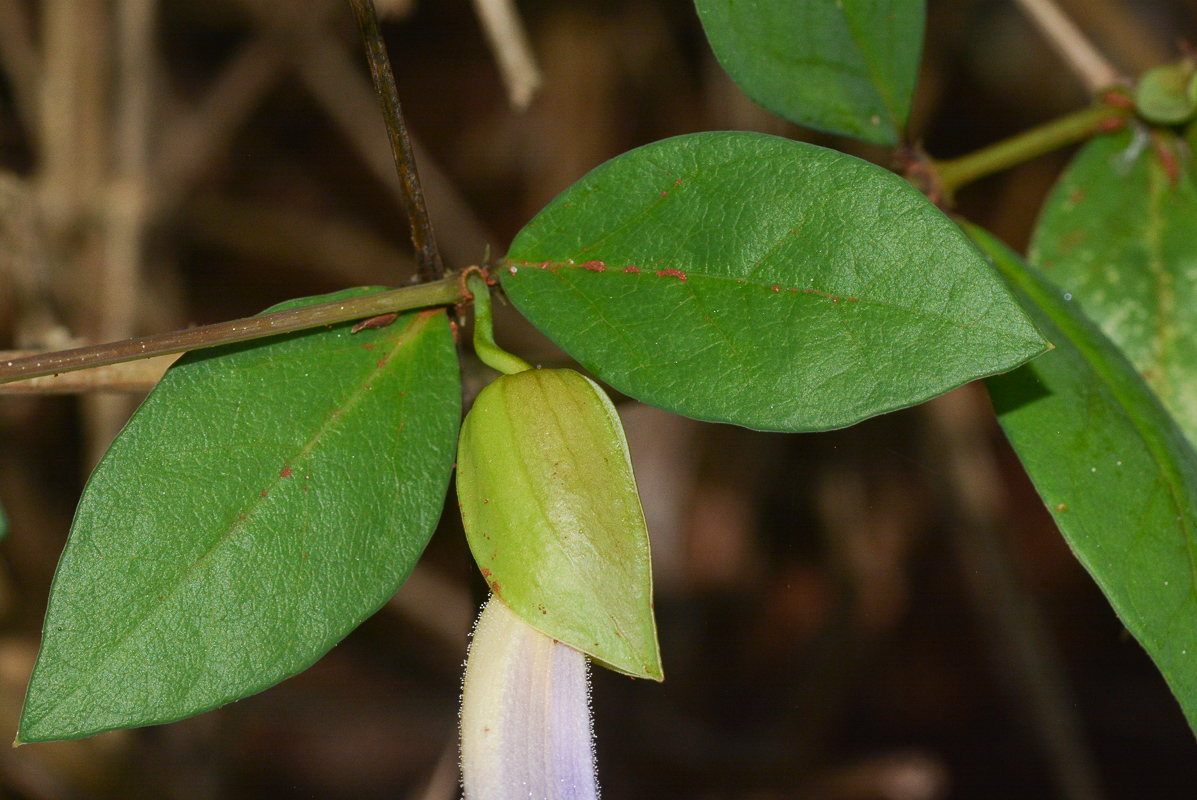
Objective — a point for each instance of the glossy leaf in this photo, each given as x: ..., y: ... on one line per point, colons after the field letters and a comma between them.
x: 553, y: 518
x: 1114, y: 470
x: 1119, y: 233
x: 744, y: 278
x: 843, y: 66
x: 261, y: 503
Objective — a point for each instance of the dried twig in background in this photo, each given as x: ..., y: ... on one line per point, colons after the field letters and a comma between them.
x: 508, y: 40
x: 1020, y: 642
x: 1074, y: 47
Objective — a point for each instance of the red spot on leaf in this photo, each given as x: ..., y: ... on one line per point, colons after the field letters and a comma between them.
x: 595, y: 266
x: 672, y: 273
x: 263, y: 492
x: 286, y: 473
x: 367, y: 347
x: 632, y: 268
x: 776, y: 289
x: 664, y: 193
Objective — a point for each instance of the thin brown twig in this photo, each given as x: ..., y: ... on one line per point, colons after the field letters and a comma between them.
x: 134, y: 377
x: 428, y: 258
x: 444, y: 292
x: 330, y: 74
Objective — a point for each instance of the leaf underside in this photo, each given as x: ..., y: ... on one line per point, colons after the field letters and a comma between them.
x: 1120, y: 235
x: 262, y: 502
x: 1114, y: 470
x: 744, y: 278
x: 842, y: 66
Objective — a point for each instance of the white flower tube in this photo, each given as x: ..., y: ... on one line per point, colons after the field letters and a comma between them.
x: 525, y: 714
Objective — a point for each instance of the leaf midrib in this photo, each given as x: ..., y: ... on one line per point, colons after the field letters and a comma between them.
x: 915, y: 311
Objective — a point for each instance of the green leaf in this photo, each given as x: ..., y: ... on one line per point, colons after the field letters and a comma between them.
x: 744, y: 278
x: 843, y: 66
x: 1120, y: 234
x: 1114, y: 470
x: 263, y: 501
x: 553, y: 518
x: 1165, y: 94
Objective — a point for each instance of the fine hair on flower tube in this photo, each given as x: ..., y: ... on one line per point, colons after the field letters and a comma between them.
x: 526, y: 730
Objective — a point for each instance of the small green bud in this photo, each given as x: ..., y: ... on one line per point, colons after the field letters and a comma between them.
x: 1167, y: 94
x: 553, y: 518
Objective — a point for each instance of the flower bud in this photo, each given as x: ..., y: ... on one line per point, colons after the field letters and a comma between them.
x: 525, y: 714
x: 551, y: 512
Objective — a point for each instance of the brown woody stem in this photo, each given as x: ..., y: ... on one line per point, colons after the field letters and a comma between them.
x: 444, y: 292
x: 428, y: 258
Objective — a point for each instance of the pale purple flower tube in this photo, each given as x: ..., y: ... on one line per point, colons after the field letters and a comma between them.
x: 525, y: 714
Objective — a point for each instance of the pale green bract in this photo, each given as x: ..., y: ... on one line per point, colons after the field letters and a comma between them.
x: 553, y: 518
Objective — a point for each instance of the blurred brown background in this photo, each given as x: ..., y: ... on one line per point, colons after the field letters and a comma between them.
x: 881, y: 612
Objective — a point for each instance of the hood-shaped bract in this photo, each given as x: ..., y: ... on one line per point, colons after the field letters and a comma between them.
x: 525, y: 714
x: 550, y: 509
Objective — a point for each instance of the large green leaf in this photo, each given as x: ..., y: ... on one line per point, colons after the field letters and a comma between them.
x: 844, y: 66
x: 750, y: 279
x: 262, y: 502
x: 1114, y: 470
x: 1120, y: 235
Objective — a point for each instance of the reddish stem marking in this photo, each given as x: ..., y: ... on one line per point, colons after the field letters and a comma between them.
x: 1167, y: 159
x: 1117, y: 99
x: 381, y: 321
x: 672, y: 273
x: 1111, y: 124
x: 595, y: 266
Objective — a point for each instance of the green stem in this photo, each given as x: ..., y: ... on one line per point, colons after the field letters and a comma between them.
x: 484, y: 333
x: 446, y: 291
x: 1058, y: 133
